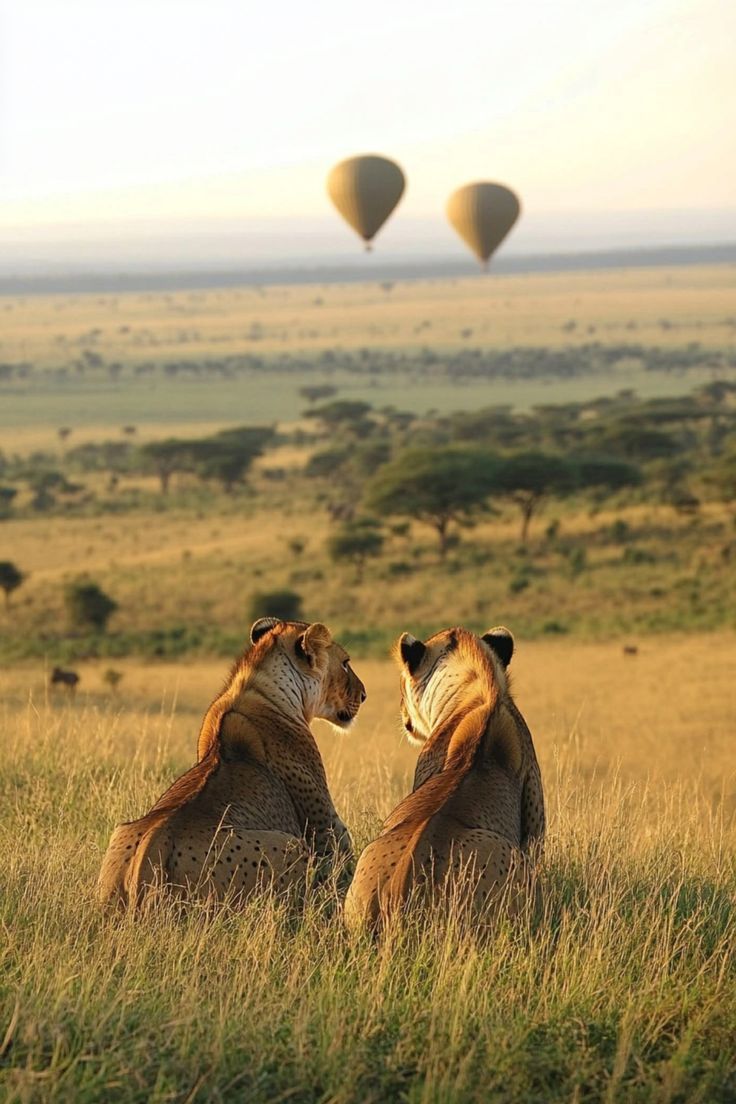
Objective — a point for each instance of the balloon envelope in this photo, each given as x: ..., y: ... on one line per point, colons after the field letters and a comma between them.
x: 365, y: 191
x: 483, y: 214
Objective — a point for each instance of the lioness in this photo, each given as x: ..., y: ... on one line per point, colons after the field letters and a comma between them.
x: 256, y: 803
x: 477, y: 803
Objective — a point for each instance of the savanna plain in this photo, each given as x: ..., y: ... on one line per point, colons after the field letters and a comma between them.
x: 619, y: 591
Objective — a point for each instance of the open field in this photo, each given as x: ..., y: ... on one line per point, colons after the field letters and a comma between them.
x: 625, y: 990
x: 695, y: 303
x: 30, y: 418
x: 184, y: 576
x: 664, y: 308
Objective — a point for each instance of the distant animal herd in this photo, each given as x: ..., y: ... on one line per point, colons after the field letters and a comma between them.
x: 255, y: 812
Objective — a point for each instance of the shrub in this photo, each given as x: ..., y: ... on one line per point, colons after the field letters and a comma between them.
x: 43, y: 501
x: 400, y: 528
x: 7, y: 494
x: 620, y: 531
x: 518, y: 583
x: 112, y: 677
x: 88, y: 605
x: 10, y: 578
x: 578, y: 560
x: 554, y: 628
x: 633, y: 556
x: 306, y: 575
x: 397, y: 568
x: 284, y: 604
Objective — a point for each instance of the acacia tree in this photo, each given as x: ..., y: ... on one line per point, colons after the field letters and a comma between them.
x: 10, y: 579
x: 344, y: 470
x: 435, y: 485
x: 314, y: 392
x: 355, y: 542
x: 606, y: 473
x: 529, y: 477
x: 227, y: 468
x: 228, y: 455
x: 328, y: 463
x: 347, y: 416
x: 636, y: 438
x: 167, y: 457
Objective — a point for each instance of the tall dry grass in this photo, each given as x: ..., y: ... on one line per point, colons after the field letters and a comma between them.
x: 623, y: 991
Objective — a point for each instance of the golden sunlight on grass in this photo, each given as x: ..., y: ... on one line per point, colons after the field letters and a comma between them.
x: 502, y: 311
x: 624, y: 989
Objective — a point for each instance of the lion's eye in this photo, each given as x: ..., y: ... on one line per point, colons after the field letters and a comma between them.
x: 346, y: 665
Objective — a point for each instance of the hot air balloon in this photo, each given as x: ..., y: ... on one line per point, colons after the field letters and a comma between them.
x: 365, y: 191
x: 483, y: 214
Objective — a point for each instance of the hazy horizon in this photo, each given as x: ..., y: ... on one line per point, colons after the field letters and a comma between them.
x: 231, y: 243
x: 202, y: 134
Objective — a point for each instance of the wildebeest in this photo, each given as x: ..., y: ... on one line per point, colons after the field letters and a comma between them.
x: 67, y: 679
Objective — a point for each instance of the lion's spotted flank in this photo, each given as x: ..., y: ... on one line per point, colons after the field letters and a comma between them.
x: 477, y: 806
x: 256, y: 806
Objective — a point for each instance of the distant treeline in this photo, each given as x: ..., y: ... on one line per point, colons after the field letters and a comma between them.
x: 518, y: 363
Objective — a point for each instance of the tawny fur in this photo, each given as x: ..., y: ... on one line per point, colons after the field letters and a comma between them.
x: 477, y: 807
x: 256, y: 806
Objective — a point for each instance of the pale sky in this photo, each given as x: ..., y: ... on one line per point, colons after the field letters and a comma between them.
x: 167, y: 110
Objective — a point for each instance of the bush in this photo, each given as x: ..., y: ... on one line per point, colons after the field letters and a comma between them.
x: 43, y: 501
x: 620, y: 531
x: 518, y: 583
x: 397, y: 568
x: 7, y: 494
x: 355, y: 542
x: 577, y: 558
x: 683, y: 500
x: 554, y: 628
x: 88, y: 605
x: 112, y: 678
x: 400, y: 528
x: 284, y: 604
x: 10, y: 579
x: 634, y: 556
x: 306, y: 575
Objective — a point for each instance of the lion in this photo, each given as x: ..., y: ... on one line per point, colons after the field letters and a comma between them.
x: 256, y: 807
x: 477, y: 807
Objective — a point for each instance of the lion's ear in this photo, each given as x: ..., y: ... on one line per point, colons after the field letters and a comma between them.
x: 313, y: 641
x: 501, y: 643
x: 260, y: 627
x: 412, y: 651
